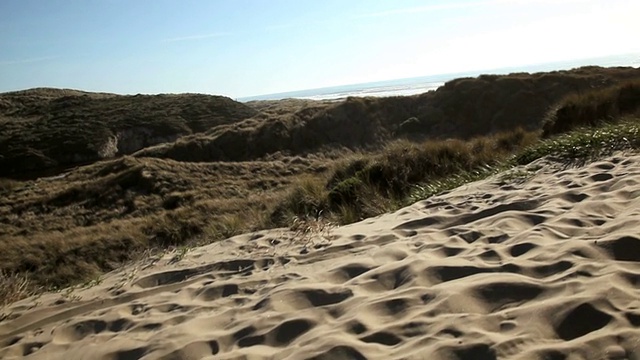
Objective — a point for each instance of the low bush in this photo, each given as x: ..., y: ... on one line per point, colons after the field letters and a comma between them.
x: 592, y: 108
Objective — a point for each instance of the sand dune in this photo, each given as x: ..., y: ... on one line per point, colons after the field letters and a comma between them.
x: 539, y: 263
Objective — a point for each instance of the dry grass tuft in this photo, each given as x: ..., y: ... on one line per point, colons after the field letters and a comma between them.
x: 13, y: 287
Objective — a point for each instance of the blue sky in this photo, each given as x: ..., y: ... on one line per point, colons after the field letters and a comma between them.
x: 241, y: 48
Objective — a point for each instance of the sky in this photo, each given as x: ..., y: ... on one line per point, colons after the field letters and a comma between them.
x: 240, y: 48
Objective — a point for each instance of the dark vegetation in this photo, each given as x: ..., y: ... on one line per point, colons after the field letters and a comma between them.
x: 74, y: 225
x: 593, y: 107
x: 44, y: 129
x: 462, y: 108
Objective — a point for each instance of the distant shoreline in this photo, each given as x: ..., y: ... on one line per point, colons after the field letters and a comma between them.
x: 421, y: 84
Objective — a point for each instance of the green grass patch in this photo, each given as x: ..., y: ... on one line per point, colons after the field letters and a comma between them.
x: 586, y: 143
x: 439, y: 186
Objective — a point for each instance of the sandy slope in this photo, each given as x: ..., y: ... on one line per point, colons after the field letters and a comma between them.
x: 546, y: 267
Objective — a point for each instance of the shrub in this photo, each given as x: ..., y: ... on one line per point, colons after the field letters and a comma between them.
x: 592, y: 108
x: 367, y: 185
x: 307, y: 196
x: 346, y: 192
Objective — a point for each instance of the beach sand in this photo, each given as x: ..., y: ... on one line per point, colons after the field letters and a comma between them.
x: 542, y: 262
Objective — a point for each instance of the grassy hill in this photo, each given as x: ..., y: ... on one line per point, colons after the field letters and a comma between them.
x: 326, y: 162
x: 44, y: 129
x: 462, y: 108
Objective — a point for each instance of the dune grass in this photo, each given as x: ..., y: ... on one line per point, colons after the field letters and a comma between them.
x: 585, y: 143
x: 80, y: 239
x: 592, y: 108
x: 574, y: 147
x: 369, y: 185
x: 13, y: 287
x: 66, y: 229
x: 405, y: 172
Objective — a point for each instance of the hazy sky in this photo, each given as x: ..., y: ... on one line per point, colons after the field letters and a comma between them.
x: 249, y: 47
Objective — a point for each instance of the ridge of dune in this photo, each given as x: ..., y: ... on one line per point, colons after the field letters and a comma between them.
x: 541, y: 262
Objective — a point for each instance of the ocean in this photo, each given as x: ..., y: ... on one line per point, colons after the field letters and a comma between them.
x: 418, y: 85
